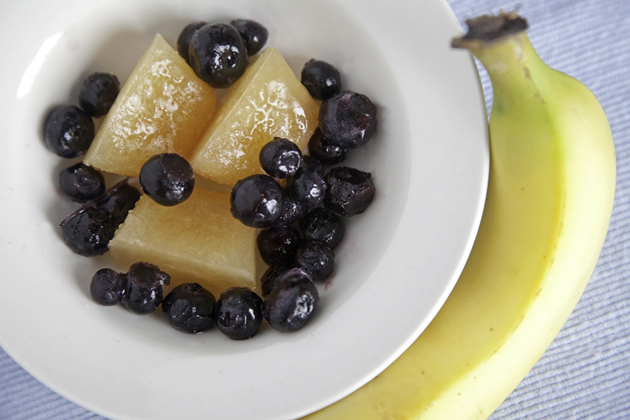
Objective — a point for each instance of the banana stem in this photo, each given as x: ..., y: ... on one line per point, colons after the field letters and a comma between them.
x: 501, y: 44
x: 486, y: 30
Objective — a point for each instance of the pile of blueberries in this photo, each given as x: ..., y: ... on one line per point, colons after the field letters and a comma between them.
x: 188, y: 307
x: 301, y: 221
x: 69, y: 132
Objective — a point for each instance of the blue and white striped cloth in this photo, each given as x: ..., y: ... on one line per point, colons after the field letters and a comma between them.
x: 585, y: 374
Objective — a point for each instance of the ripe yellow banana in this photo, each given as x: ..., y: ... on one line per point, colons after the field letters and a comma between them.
x: 550, y: 197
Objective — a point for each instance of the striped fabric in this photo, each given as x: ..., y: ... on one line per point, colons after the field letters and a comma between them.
x: 585, y: 374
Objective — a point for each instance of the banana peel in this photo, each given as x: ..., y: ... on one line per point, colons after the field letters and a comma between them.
x: 550, y: 197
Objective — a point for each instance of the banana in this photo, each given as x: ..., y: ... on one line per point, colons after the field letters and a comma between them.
x: 549, y: 202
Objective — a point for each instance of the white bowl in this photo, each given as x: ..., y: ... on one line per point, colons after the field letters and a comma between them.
x: 395, y: 267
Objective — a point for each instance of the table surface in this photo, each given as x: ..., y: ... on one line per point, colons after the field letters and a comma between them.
x: 585, y: 374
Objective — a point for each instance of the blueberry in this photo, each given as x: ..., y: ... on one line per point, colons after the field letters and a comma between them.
x: 308, y: 185
x: 189, y: 308
x: 327, y: 153
x: 348, y: 119
x: 278, y: 245
x: 280, y: 158
x: 292, y: 209
x: 269, y: 279
x: 218, y: 54
x: 183, y: 40
x: 257, y: 201
x: 323, y: 226
x: 292, y: 303
x: 107, y: 287
x: 167, y: 178
x: 98, y: 93
x: 239, y: 313
x: 321, y: 79
x: 81, y: 182
x: 68, y: 131
x: 118, y: 201
x: 313, y: 165
x: 350, y: 191
x: 253, y: 33
x: 315, y: 258
x: 88, y: 231
x: 144, y: 288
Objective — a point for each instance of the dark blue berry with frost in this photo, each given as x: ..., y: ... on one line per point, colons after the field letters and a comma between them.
x: 257, y: 201
x: 348, y: 119
x: 253, y: 33
x: 81, y: 183
x: 98, y: 93
x: 292, y: 303
x: 189, y: 308
x: 239, y: 313
x: 68, y: 131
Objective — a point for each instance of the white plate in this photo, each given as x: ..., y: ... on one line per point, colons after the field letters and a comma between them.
x: 396, y: 266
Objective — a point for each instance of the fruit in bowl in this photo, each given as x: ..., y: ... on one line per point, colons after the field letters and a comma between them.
x: 162, y: 108
x: 254, y: 143
x: 267, y: 101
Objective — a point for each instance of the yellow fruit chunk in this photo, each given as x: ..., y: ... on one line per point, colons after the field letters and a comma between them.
x: 163, y: 107
x: 268, y: 101
x: 195, y: 241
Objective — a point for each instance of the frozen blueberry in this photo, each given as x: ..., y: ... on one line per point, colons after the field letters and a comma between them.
x: 167, y: 178
x: 327, y: 153
x: 269, y: 279
x: 189, y: 308
x: 118, y: 201
x: 280, y: 158
x: 68, y: 131
x: 350, y: 191
x: 323, y: 226
x: 257, y: 201
x: 253, y: 33
x: 88, y: 231
x: 239, y: 313
x: 348, y: 119
x: 292, y: 303
x: 183, y: 40
x: 107, y: 287
x: 144, y: 288
x: 218, y: 54
x: 315, y: 258
x: 98, y: 93
x: 278, y: 245
x: 81, y: 182
x: 321, y: 79
x: 308, y: 185
x: 292, y: 209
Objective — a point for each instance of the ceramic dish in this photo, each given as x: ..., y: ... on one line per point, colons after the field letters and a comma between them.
x: 395, y: 267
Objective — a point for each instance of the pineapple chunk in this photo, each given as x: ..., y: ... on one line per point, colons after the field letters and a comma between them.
x: 195, y: 241
x: 267, y: 101
x: 163, y: 107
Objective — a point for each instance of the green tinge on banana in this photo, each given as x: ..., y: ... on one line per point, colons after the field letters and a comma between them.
x: 550, y: 197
